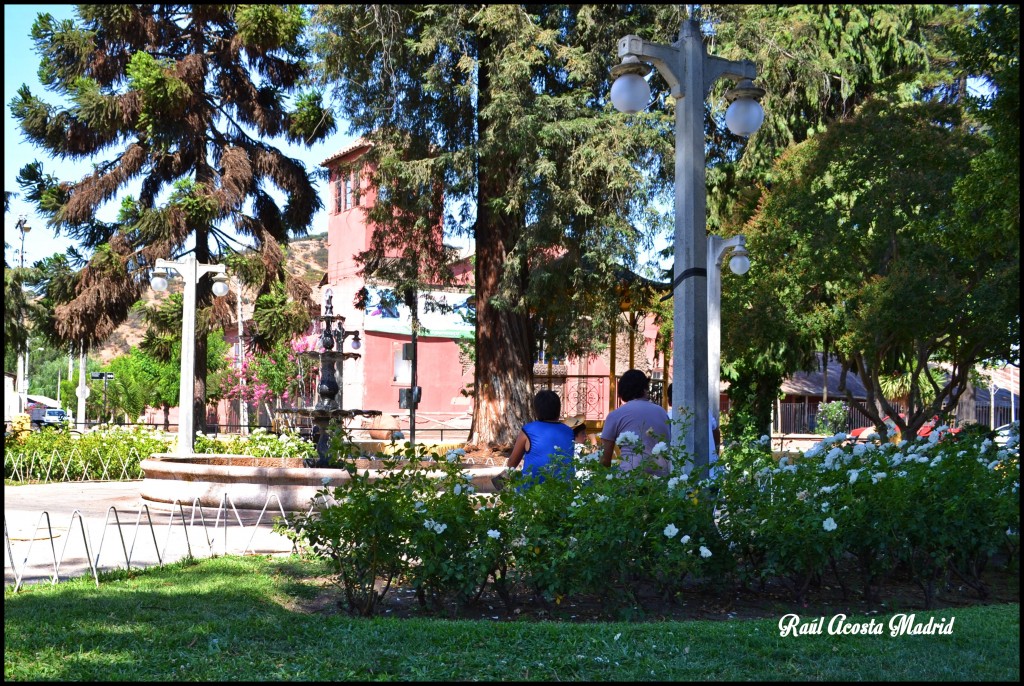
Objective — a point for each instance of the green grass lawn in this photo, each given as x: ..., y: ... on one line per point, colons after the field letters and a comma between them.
x: 231, y: 618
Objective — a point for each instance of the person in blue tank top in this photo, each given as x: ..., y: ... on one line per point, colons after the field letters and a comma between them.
x: 544, y: 447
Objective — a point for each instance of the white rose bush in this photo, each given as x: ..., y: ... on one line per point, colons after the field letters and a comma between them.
x: 869, y: 511
x: 861, y: 513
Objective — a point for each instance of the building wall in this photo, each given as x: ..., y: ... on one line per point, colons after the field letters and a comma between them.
x: 439, y: 373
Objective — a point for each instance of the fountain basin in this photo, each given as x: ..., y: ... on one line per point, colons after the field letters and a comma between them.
x: 249, y: 481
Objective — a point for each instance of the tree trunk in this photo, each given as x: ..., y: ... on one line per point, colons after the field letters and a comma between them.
x: 504, y: 364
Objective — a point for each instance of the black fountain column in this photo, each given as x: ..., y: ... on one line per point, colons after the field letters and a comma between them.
x: 327, y: 388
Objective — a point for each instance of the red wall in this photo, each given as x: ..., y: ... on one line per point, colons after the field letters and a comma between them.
x: 439, y: 374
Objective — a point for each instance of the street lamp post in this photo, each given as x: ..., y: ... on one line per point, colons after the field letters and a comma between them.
x: 190, y: 271
x: 689, y: 71
x: 23, y: 228
x: 739, y: 263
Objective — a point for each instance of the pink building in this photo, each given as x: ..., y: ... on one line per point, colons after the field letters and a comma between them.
x: 445, y: 375
x: 373, y: 382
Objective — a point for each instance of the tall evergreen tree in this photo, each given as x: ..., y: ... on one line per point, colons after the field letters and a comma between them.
x: 184, y: 99
x: 495, y: 120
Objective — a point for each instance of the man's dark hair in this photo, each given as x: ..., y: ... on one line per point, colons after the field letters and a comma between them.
x: 547, y: 405
x: 633, y: 384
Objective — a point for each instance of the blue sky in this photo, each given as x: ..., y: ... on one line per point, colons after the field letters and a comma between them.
x: 21, y: 64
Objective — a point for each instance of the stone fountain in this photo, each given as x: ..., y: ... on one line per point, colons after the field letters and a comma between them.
x: 329, y: 407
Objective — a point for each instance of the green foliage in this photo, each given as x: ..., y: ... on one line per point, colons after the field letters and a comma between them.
x: 258, y: 443
x: 278, y: 317
x: 266, y: 28
x: 848, y: 238
x: 888, y: 506
x: 608, y: 533
x: 162, y: 95
x: 832, y: 418
x: 55, y: 455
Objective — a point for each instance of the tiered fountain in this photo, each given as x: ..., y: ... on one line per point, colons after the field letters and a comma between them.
x: 250, y: 482
x: 328, y: 408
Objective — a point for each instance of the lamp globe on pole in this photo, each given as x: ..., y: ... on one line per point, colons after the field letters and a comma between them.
x: 745, y: 114
x: 689, y: 72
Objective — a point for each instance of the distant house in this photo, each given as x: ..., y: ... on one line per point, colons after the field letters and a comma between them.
x: 803, y: 392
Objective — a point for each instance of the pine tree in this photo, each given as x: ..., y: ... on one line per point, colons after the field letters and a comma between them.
x: 501, y: 113
x: 183, y: 98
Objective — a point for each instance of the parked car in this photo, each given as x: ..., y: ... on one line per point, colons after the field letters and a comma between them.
x: 47, y: 416
x: 923, y: 432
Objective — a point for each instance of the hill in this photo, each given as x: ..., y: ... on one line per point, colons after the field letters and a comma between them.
x: 307, y: 259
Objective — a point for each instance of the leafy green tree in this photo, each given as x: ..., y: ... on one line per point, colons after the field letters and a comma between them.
x: 500, y: 114
x: 159, y: 352
x: 861, y: 245
x: 817, y: 63
x: 184, y: 98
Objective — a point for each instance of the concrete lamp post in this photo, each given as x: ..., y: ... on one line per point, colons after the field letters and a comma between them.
x: 690, y: 73
x: 739, y: 263
x: 190, y: 271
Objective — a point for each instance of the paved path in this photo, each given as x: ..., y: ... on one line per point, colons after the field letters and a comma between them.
x: 85, y: 516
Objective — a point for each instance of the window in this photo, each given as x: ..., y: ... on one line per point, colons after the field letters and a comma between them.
x: 338, y: 195
x: 351, y: 191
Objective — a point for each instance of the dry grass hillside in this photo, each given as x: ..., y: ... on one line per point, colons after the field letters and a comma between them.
x: 307, y: 259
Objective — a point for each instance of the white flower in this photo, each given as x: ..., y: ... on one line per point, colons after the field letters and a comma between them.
x: 457, y: 489
x: 470, y: 489
x: 671, y: 531
x: 824, y: 507
x: 494, y: 533
x: 827, y: 489
x: 764, y: 440
x: 418, y: 506
x: 626, y: 437
x: 326, y: 480
x: 902, y: 473
x: 704, y: 552
x: 685, y: 539
x: 878, y: 476
x: 992, y: 464
x: 659, y: 448
x: 600, y: 498
x: 829, y: 524
x: 673, y: 482
x: 617, y: 637
x: 854, y: 473
x: 802, y: 495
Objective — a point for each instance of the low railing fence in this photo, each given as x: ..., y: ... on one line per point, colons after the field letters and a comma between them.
x: 77, y: 529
